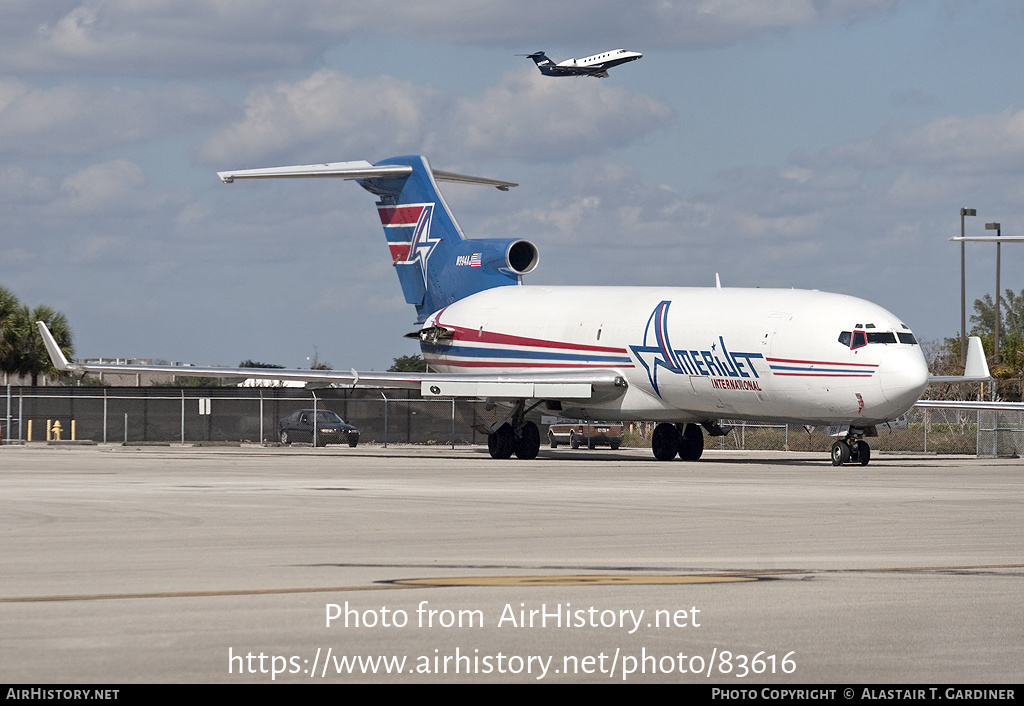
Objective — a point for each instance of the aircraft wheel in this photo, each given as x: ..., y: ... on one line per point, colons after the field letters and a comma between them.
x: 840, y: 453
x: 500, y: 443
x: 551, y: 440
x: 665, y: 441
x: 284, y: 438
x: 691, y: 445
x: 863, y: 453
x: 527, y: 446
x: 574, y: 443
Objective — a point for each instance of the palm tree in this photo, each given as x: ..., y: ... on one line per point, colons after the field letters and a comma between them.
x: 8, y: 311
x: 25, y: 353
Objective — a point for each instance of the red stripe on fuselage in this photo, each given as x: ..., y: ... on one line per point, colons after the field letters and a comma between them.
x: 819, y: 362
x: 462, y: 333
x: 823, y: 375
x: 505, y: 364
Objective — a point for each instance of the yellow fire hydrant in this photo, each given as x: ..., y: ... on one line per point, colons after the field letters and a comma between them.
x: 56, y: 430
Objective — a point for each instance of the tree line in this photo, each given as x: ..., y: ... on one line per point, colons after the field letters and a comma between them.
x: 1008, y: 369
x: 22, y: 351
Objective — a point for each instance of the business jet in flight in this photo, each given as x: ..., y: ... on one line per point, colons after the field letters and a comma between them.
x: 596, y: 65
x: 683, y: 357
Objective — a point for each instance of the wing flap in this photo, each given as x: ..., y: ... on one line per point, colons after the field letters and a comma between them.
x: 507, y: 389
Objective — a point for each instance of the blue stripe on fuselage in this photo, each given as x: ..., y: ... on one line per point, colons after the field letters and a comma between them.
x: 515, y: 354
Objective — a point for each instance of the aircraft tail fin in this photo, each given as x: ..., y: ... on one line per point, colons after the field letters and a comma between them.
x: 540, y: 59
x: 435, y: 262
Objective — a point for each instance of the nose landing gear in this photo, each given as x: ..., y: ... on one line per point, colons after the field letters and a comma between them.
x: 850, y: 450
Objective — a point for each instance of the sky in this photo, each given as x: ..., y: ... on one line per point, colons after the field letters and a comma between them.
x: 815, y: 144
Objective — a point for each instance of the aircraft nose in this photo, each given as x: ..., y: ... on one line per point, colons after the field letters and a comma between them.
x: 904, y: 375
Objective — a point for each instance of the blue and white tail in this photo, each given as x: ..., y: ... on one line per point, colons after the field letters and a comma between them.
x: 435, y: 262
x: 545, y: 65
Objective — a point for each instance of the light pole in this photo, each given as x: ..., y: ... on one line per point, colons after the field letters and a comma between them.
x: 998, y: 240
x: 995, y: 344
x: 963, y: 294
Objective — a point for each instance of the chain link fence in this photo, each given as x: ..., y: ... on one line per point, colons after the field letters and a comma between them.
x: 940, y: 431
x: 198, y: 415
x: 251, y: 415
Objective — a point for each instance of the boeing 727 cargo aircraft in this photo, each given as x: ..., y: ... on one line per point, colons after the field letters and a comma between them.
x: 680, y: 356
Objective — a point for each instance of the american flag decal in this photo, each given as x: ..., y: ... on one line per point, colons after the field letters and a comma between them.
x: 468, y: 260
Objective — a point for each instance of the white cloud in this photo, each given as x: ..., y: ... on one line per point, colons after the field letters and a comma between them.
x: 330, y: 116
x: 207, y: 37
x: 75, y: 120
x: 538, y: 118
x: 101, y: 187
x: 982, y: 144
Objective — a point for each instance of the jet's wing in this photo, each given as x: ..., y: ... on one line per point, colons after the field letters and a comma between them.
x: 976, y: 369
x: 971, y: 404
x: 592, y: 385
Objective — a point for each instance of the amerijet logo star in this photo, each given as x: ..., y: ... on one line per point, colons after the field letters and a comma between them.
x: 730, y: 370
x: 656, y: 351
x: 422, y: 245
x: 407, y: 227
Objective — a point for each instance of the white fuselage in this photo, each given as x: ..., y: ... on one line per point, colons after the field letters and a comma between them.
x: 605, y: 60
x: 694, y: 354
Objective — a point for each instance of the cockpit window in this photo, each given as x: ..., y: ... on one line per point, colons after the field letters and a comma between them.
x: 856, y: 339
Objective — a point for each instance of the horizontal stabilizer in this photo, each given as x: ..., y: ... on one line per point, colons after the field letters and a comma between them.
x: 339, y: 170
x: 354, y: 170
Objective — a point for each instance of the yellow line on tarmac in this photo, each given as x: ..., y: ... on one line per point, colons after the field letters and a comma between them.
x: 555, y: 580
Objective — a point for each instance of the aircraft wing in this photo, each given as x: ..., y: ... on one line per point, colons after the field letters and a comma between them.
x: 593, y: 385
x: 976, y: 369
x: 971, y: 404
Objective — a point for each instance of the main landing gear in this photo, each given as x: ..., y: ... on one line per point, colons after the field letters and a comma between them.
x: 850, y: 450
x: 516, y: 436
x: 687, y: 440
x: 504, y: 441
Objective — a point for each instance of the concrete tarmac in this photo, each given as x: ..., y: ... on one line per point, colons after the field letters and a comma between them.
x: 428, y: 564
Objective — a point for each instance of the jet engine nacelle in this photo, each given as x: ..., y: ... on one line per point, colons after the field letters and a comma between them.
x: 507, y: 257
